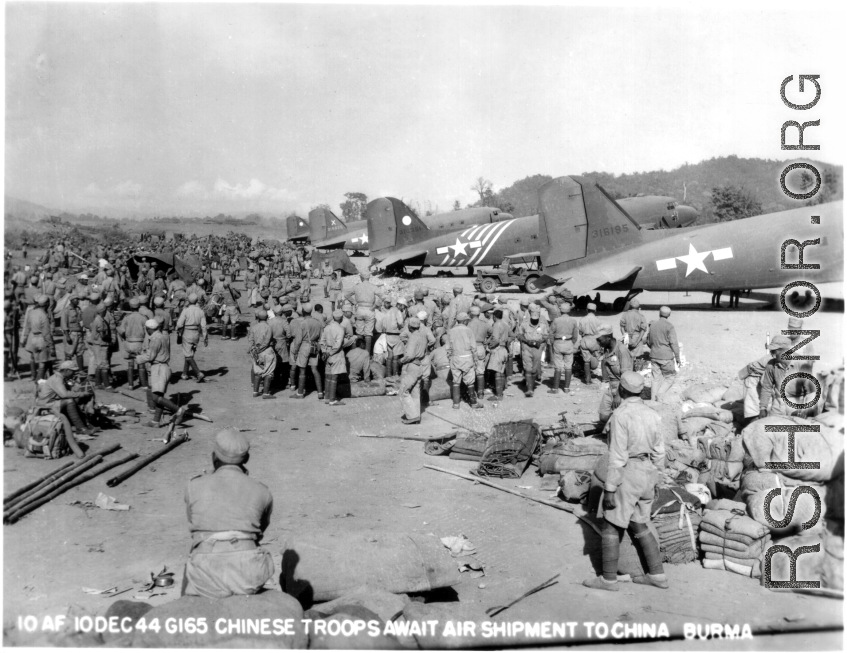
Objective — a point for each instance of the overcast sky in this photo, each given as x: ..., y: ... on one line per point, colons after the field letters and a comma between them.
x: 209, y: 108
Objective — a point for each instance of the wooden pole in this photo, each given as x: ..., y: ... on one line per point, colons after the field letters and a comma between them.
x: 120, y: 478
x: 476, y: 479
x: 47, y: 489
x: 448, y: 436
x: 27, y: 491
x: 30, y: 506
x: 449, y: 421
x: 38, y: 481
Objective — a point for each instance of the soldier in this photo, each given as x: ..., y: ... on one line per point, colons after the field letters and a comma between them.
x: 230, y: 317
x: 616, y: 362
x: 564, y: 335
x: 49, y: 288
x: 772, y: 401
x: 260, y: 340
x: 82, y: 290
x: 281, y: 339
x: 161, y: 314
x: 158, y: 355
x: 132, y: 331
x: 358, y: 362
x: 228, y: 512
x: 589, y: 324
x: 332, y: 290
x: 38, y: 340
x: 664, y: 352
x: 71, y: 325
x: 550, y: 303
x: 460, y: 303
x: 463, y: 360
x: 319, y: 315
x: 392, y: 324
x: 413, y: 371
x: 56, y: 394
x: 109, y: 285
x: 190, y: 330
x: 591, y: 353
x: 306, y: 351
x: 177, y: 294
x: 144, y: 307
x: 305, y: 295
x: 440, y: 358
x: 100, y: 338
x: 636, y: 461
x: 634, y: 325
x: 533, y: 335
x: 364, y: 296
x: 198, y: 288
x: 482, y: 332
x: 498, y: 354
x: 332, y: 348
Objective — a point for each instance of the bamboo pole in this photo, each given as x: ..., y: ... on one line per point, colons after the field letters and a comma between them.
x: 47, y: 489
x: 120, y: 478
x: 450, y: 421
x: 26, y: 494
x: 38, y: 481
x: 476, y: 479
x: 29, y: 507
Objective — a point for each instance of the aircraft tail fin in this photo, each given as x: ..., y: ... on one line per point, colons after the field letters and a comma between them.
x: 296, y: 227
x: 324, y: 224
x: 392, y: 224
x: 577, y: 218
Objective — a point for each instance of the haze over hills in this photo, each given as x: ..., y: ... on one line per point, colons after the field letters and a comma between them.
x: 691, y: 183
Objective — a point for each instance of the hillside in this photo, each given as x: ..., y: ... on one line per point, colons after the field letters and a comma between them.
x: 690, y: 182
x: 22, y: 210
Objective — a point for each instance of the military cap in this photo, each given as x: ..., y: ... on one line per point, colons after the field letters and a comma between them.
x: 73, y: 296
x: 795, y: 323
x: 633, y: 303
x: 461, y: 317
x: 347, y: 306
x: 418, y: 293
x: 365, y: 274
x: 108, y: 301
x: 337, y: 314
x: 534, y: 309
x: 94, y: 297
x: 567, y: 295
x: 604, y: 330
x: 414, y: 322
x: 151, y: 324
x: 633, y: 382
x: 68, y: 365
x: 457, y: 288
x: 100, y: 308
x: 665, y: 311
x: 287, y: 307
x: 82, y: 277
x: 42, y: 300
x: 158, y: 301
x: 34, y: 278
x: 201, y: 281
x: 231, y: 447
x: 192, y: 298
x: 402, y: 300
x: 261, y: 314
x: 524, y: 301
x: 475, y: 310
x: 779, y: 342
x: 486, y: 307
x: 306, y: 308
x: 422, y: 315
x: 592, y: 307
x: 143, y: 298
x: 445, y: 299
x: 133, y: 303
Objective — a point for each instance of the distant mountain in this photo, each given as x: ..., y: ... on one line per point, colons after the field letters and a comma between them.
x: 691, y: 183
x: 21, y: 210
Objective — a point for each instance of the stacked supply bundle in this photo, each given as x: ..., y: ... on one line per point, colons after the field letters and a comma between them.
x: 580, y: 454
x: 684, y: 462
x: 733, y: 541
x: 724, y: 460
x: 824, y: 447
x: 676, y: 516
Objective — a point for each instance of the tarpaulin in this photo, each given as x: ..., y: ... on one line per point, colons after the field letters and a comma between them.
x: 338, y: 259
x: 164, y: 261
x: 187, y: 267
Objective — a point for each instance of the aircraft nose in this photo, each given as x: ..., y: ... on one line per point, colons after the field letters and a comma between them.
x: 687, y: 215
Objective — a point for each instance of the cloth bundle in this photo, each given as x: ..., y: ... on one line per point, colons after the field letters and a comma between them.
x: 704, y: 393
x: 724, y: 456
x: 579, y: 454
x: 672, y: 427
x: 681, y: 457
x: 469, y: 443
x: 677, y: 540
x: 733, y: 541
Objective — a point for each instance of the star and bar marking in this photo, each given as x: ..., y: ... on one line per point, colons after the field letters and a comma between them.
x: 694, y: 260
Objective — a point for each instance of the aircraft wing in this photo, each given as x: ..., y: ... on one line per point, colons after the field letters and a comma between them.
x: 594, y: 277
x: 398, y: 257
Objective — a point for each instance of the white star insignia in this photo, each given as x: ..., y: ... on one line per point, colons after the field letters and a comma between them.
x: 694, y: 260
x: 459, y: 246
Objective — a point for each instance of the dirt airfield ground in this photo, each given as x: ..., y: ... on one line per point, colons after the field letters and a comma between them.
x: 325, y: 477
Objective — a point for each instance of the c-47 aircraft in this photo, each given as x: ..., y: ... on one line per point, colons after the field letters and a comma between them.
x: 589, y: 243
x: 398, y: 238
x: 328, y: 231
